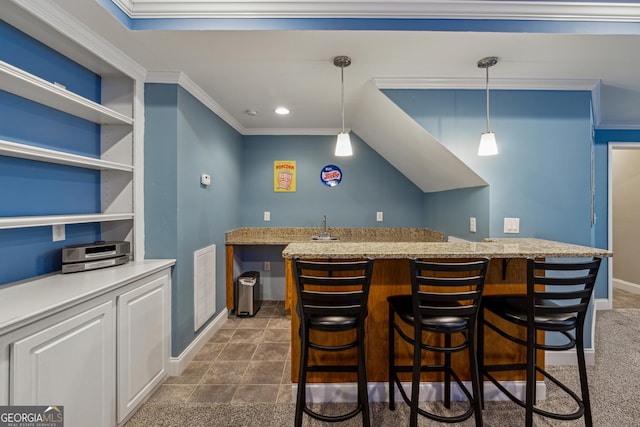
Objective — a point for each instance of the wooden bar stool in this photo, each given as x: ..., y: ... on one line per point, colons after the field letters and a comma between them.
x: 443, y: 305
x: 332, y: 298
x: 557, y: 299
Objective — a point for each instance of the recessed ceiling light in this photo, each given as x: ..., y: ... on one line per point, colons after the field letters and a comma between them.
x: 283, y: 111
x: 251, y: 112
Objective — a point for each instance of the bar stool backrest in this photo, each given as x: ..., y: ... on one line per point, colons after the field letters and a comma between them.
x: 560, y: 292
x: 327, y: 288
x: 448, y: 289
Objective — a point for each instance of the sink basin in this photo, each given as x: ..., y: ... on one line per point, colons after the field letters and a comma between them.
x: 324, y: 238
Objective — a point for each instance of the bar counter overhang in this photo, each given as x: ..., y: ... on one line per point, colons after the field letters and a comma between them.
x: 507, y: 274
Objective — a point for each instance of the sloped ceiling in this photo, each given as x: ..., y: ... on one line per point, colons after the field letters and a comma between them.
x: 408, y: 146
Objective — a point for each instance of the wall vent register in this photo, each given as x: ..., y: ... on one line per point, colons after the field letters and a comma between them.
x: 94, y: 255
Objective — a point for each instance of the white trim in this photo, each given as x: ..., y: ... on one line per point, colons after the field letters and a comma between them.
x: 180, y: 78
x: 179, y: 363
x: 611, y: 146
x: 42, y: 220
x: 31, y: 152
x: 473, y: 83
x: 603, y: 304
x: 619, y: 126
x: 434, y: 9
x: 569, y: 357
x: 626, y: 286
x: 276, y: 131
x: 429, y: 391
x: 78, y: 32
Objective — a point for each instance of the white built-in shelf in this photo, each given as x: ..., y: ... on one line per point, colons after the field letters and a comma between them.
x: 38, y: 221
x: 26, y: 85
x: 23, y: 151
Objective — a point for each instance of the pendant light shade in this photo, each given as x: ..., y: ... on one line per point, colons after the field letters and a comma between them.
x: 343, y: 143
x: 488, y: 145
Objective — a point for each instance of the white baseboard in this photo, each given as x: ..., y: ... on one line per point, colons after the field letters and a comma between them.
x: 429, y: 392
x: 178, y: 364
x: 626, y: 286
x: 603, y: 304
x: 569, y: 357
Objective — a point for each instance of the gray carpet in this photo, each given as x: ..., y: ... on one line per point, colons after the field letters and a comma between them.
x: 612, y: 382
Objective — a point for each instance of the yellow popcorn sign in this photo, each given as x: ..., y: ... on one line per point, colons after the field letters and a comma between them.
x: 284, y: 176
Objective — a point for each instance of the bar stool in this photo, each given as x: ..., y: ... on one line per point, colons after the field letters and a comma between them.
x: 557, y: 299
x: 332, y: 297
x: 444, y: 304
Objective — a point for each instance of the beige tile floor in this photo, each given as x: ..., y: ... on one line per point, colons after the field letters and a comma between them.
x: 247, y: 360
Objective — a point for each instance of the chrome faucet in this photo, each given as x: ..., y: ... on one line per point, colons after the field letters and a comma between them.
x: 325, y: 232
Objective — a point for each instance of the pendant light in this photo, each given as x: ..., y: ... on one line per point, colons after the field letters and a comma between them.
x: 343, y: 143
x: 488, y: 145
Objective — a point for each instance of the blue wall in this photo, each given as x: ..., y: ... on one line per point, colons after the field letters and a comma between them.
x: 451, y: 210
x: 184, y: 139
x: 35, y: 188
x: 369, y: 184
x: 542, y: 174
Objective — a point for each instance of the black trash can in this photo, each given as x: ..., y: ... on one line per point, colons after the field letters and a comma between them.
x: 248, y: 294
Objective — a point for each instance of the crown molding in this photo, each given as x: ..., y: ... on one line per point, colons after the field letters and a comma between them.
x: 425, y: 9
x: 180, y: 78
x: 80, y: 34
x: 618, y: 126
x: 495, y: 83
x: 283, y: 131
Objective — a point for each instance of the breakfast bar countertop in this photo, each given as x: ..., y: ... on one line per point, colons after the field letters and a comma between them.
x: 491, y: 248
x: 286, y: 235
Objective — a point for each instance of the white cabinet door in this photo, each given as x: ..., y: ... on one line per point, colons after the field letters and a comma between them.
x: 71, y: 363
x: 143, y: 341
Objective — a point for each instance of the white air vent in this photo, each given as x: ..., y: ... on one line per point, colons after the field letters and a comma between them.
x: 204, y: 284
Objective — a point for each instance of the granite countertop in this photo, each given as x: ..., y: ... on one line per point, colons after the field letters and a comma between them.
x: 492, y: 248
x: 286, y: 235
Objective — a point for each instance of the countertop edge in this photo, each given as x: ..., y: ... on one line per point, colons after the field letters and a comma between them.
x: 27, y: 301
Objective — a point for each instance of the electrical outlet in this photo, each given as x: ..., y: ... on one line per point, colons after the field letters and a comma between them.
x: 267, y: 216
x: 267, y: 266
x: 379, y: 216
x: 472, y: 224
x: 58, y: 232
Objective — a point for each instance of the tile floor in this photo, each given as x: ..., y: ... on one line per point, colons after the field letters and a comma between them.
x: 247, y: 360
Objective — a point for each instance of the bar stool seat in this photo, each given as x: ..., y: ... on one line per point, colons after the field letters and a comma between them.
x: 332, y: 298
x: 444, y: 303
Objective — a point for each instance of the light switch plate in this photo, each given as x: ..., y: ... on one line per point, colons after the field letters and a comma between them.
x: 266, y: 266
x: 512, y: 225
x: 472, y: 224
x: 58, y: 232
x: 267, y: 216
x: 205, y: 179
x: 379, y: 216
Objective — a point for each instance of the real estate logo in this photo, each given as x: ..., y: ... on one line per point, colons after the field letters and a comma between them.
x: 32, y: 416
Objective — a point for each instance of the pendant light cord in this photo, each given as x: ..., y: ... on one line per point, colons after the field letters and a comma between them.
x: 342, y: 94
x: 487, y: 96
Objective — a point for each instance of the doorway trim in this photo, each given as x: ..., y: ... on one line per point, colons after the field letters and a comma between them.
x: 612, y: 146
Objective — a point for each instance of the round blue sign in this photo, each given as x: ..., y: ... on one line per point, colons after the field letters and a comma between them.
x: 331, y: 175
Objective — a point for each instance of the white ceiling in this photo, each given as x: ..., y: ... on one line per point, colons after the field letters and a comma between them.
x: 259, y: 70
x: 235, y: 71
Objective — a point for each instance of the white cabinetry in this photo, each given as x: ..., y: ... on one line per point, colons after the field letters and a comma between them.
x: 70, y: 363
x: 143, y: 342
x: 96, y: 342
